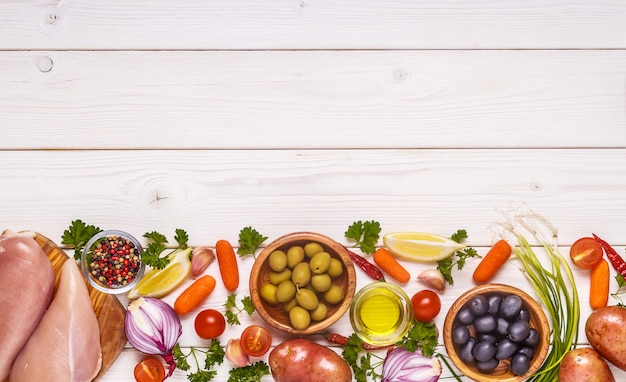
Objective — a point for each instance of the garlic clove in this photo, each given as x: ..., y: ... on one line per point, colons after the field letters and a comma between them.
x: 434, y: 278
x: 201, y: 257
x: 235, y: 354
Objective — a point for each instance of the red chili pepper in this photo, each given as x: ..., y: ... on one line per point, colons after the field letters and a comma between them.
x: 338, y: 339
x: 370, y: 269
x: 616, y: 260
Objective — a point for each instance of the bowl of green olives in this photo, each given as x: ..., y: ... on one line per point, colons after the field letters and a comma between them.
x: 496, y: 332
x: 302, y: 283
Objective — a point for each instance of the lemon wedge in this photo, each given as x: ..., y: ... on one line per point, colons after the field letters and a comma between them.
x: 159, y: 282
x: 418, y: 246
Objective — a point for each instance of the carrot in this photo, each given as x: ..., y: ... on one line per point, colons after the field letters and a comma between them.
x: 195, y: 293
x: 599, y: 285
x: 385, y: 260
x: 227, y: 261
x: 492, y: 262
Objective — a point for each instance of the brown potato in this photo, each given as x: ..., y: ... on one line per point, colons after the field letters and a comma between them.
x: 302, y: 360
x: 584, y: 364
x: 606, y: 332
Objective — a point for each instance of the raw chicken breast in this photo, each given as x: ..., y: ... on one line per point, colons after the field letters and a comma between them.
x: 66, y: 344
x: 26, y: 288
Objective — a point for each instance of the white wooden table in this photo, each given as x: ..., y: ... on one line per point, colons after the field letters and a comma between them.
x: 308, y: 115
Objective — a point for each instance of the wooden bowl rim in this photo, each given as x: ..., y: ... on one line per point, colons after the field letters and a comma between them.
x: 315, y: 327
x: 538, y: 316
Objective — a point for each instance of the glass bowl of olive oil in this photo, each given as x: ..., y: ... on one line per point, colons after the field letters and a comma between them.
x: 381, y: 313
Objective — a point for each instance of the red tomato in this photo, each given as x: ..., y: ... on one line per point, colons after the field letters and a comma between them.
x: 255, y: 340
x: 210, y: 324
x: 149, y: 370
x: 426, y: 305
x: 585, y: 252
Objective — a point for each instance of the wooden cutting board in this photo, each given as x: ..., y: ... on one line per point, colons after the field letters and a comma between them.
x: 108, y: 309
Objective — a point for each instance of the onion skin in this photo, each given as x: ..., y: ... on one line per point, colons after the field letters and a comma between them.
x: 153, y: 327
x: 402, y: 365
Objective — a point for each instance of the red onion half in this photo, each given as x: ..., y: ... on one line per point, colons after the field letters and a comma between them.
x: 402, y: 365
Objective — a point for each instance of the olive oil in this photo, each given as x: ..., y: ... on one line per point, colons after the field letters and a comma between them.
x: 380, y: 313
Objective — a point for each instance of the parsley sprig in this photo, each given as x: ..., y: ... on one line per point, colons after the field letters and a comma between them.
x: 213, y: 356
x: 249, y: 241
x: 366, y: 234
x: 233, y: 310
x: 77, y: 235
x: 250, y: 373
x: 152, y: 254
x: 363, y: 363
x: 621, y: 283
x: 457, y: 259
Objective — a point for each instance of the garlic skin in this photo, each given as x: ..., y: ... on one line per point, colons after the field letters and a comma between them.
x: 434, y: 278
x: 235, y: 354
x: 201, y: 258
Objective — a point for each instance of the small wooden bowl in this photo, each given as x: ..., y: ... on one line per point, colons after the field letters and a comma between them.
x: 275, y: 315
x: 503, y: 373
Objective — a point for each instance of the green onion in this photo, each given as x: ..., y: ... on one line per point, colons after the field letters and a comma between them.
x: 562, y: 303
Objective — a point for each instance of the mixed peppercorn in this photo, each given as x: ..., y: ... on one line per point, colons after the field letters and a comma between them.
x: 115, y: 261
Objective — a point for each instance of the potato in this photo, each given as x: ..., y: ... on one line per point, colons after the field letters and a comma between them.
x: 303, y: 360
x: 584, y: 364
x: 606, y: 332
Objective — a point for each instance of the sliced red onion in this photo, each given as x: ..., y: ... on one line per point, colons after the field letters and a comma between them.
x: 404, y: 366
x: 153, y: 327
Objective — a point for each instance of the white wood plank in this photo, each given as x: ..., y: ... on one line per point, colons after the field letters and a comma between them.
x: 301, y: 24
x: 213, y: 194
x: 312, y: 99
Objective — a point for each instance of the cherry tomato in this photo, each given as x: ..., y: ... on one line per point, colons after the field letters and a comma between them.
x: 426, y: 305
x: 255, y: 340
x: 585, y: 252
x: 149, y: 370
x: 210, y: 324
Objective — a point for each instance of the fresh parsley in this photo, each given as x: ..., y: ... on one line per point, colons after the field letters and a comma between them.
x: 77, y: 235
x: 249, y: 241
x: 250, y: 373
x: 421, y: 335
x: 365, y: 233
x: 157, y: 245
x: 621, y: 283
x: 457, y: 259
x: 233, y: 310
x: 213, y: 356
x: 363, y: 362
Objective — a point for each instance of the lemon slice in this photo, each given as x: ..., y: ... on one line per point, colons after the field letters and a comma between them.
x: 160, y: 282
x: 418, y: 246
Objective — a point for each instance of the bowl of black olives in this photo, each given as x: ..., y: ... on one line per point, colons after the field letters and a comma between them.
x: 496, y: 332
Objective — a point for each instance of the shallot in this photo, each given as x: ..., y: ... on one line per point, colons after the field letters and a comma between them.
x: 153, y: 327
x: 402, y: 365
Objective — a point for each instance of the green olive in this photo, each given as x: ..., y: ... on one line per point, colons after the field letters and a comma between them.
x: 301, y: 274
x: 320, y: 313
x: 320, y: 262
x: 278, y: 260
x: 289, y: 305
x: 312, y: 248
x: 285, y: 291
x: 334, y: 295
x: 321, y: 283
x: 295, y: 255
x: 299, y: 318
x: 335, y: 268
x: 278, y: 277
x: 307, y: 299
x: 268, y: 294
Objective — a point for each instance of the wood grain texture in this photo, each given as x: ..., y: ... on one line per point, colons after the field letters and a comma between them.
x: 313, y: 100
x: 108, y: 309
x: 302, y: 24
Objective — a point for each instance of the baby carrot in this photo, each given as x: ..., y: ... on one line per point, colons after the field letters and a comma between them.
x: 195, y: 293
x: 492, y: 262
x: 227, y: 261
x: 389, y: 264
x: 599, y: 287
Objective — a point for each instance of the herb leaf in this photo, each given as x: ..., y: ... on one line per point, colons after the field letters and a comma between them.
x: 249, y: 241
x: 77, y: 235
x: 365, y: 233
x: 182, y: 238
x: 152, y: 253
x: 360, y: 360
x: 250, y: 373
x: 214, y: 355
x: 233, y: 310
x: 457, y: 259
x: 422, y: 335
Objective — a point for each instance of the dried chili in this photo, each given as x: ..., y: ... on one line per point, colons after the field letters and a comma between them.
x: 338, y: 339
x: 616, y: 260
x: 370, y: 269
